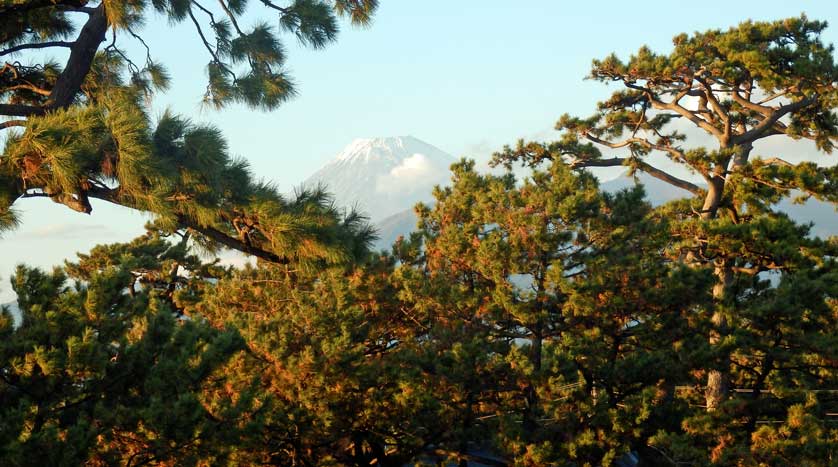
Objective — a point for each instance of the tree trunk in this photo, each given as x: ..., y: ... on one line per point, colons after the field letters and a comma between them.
x: 717, y: 388
x: 715, y: 189
x: 467, y: 422
x: 717, y: 380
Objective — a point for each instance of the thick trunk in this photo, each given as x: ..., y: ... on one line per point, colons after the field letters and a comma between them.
x: 81, y: 58
x: 717, y: 379
x: 467, y: 423
x: 715, y: 190
x: 717, y: 388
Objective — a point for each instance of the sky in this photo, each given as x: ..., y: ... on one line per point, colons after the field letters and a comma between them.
x: 467, y: 76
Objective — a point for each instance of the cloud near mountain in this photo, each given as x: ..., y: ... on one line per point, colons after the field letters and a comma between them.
x: 414, y: 172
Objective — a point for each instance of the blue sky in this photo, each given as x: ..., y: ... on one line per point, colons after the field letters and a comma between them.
x: 467, y: 76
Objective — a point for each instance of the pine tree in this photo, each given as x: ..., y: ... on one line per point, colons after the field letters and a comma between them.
x: 740, y: 86
x: 85, y: 134
x: 95, y: 375
x: 331, y: 359
x: 547, y: 302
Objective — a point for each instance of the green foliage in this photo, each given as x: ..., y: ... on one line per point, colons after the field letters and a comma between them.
x: 87, y: 134
x: 553, y: 301
x: 246, y: 65
x: 533, y: 321
x: 98, y: 376
x: 331, y: 359
x: 180, y: 172
x: 738, y: 86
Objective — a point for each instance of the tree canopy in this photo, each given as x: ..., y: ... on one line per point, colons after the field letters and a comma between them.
x: 751, y: 82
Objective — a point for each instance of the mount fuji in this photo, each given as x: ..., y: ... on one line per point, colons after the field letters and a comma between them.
x: 384, y: 176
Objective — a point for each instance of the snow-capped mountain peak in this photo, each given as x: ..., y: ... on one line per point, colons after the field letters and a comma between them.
x: 389, y: 149
x: 382, y: 176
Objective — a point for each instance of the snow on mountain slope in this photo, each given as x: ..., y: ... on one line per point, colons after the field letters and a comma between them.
x: 383, y: 176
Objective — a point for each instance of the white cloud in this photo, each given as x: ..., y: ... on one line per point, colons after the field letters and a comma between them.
x: 69, y: 230
x: 414, y: 172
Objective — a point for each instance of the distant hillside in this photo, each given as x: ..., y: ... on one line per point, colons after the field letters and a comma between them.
x: 822, y: 215
x: 393, y: 227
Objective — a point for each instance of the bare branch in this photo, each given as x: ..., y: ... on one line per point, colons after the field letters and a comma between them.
x: 278, y: 8
x: 768, y: 124
x: 204, y: 38
x: 28, y: 87
x: 778, y: 161
x: 643, y: 167
x: 612, y: 162
x: 710, y: 95
x: 41, y: 45
x: 676, y: 153
x: 21, y: 110
x: 231, y: 16
x: 677, y: 108
x: 12, y: 123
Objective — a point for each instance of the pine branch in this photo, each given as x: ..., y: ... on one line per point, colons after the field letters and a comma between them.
x: 12, y: 123
x: 112, y: 196
x: 21, y: 110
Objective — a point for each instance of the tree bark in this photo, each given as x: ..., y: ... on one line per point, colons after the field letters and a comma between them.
x: 82, y: 53
x: 81, y: 58
x: 718, y: 385
x: 717, y: 388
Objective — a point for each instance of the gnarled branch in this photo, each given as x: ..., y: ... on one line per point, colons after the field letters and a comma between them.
x: 643, y: 167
